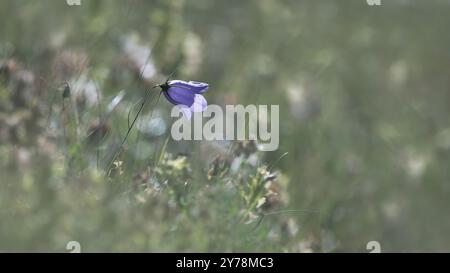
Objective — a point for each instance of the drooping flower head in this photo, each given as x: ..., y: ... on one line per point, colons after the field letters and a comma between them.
x: 186, y: 95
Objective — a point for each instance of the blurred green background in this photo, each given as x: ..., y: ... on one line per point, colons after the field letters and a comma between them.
x: 364, y: 116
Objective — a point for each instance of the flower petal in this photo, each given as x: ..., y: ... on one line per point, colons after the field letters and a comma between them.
x: 193, y: 86
x: 187, y: 113
x: 180, y: 96
x: 199, y: 104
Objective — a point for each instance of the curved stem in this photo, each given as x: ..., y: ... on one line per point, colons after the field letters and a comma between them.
x: 130, y: 127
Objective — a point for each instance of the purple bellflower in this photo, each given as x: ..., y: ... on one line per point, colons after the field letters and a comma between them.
x: 186, y: 95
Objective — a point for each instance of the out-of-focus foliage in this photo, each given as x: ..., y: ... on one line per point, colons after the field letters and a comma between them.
x: 365, y: 117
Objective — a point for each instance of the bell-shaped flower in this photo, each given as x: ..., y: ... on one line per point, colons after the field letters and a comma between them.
x: 186, y: 95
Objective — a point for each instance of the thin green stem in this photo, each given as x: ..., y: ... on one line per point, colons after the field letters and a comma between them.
x: 130, y: 128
